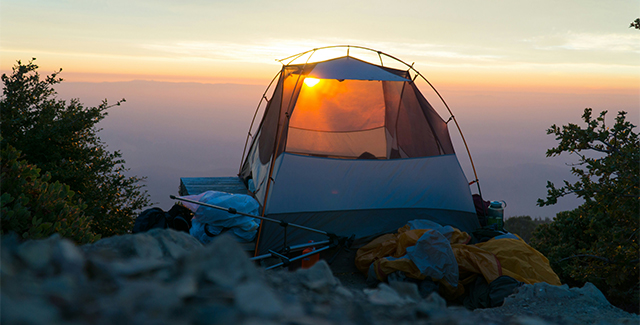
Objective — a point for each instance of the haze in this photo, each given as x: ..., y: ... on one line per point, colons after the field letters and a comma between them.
x: 193, y: 72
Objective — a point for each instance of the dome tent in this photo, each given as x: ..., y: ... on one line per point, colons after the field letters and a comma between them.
x: 352, y: 147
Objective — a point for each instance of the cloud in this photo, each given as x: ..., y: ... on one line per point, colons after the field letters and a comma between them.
x: 268, y: 50
x: 588, y: 42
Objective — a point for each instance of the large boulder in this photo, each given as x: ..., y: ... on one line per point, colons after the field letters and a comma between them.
x: 154, y: 244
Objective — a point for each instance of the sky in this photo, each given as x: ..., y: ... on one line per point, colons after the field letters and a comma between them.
x: 193, y: 71
x: 579, y: 43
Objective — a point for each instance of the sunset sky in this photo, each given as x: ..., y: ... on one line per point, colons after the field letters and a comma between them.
x: 193, y: 71
x: 548, y: 43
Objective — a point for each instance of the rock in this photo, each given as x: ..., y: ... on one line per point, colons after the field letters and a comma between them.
x: 545, y: 292
x: 344, y: 292
x: 137, y: 267
x: 69, y: 257
x: 185, y: 287
x: 31, y: 311
x: 163, y: 277
x: 386, y: 296
x: 432, y: 305
x: 590, y: 292
x: 435, y: 300
x: 215, y: 314
x: 524, y: 320
x: 155, y: 244
x: 8, y: 262
x: 559, y: 304
x: 47, y: 257
x: 254, y: 298
x: 175, y: 244
x: 37, y: 254
x: 63, y: 287
x: 222, y: 262
x: 426, y: 287
x: 406, y: 290
x: 539, y: 291
x: 140, y: 245
x: 154, y: 300
x: 318, y: 277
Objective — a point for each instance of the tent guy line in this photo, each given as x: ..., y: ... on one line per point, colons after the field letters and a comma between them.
x: 334, y: 240
x: 234, y: 211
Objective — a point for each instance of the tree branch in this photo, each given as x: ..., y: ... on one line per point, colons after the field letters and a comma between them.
x: 586, y: 255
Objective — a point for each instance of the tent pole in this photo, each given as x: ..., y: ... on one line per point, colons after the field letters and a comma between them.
x: 276, y: 148
x: 234, y: 211
x: 244, y: 150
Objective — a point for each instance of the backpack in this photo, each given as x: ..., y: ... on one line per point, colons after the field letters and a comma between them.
x: 178, y: 218
x: 150, y: 219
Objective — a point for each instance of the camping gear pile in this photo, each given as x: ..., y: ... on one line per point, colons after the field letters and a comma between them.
x: 205, y: 216
x: 209, y: 222
x: 178, y: 218
x: 426, y: 251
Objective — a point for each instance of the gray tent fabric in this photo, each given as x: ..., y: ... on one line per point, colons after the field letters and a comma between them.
x: 351, y: 147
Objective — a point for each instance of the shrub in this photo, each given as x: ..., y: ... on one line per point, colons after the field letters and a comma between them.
x: 598, y: 241
x: 61, y: 139
x: 35, y: 208
x: 523, y: 226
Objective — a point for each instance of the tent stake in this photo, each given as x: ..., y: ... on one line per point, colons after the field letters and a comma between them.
x: 294, y: 248
x: 299, y: 257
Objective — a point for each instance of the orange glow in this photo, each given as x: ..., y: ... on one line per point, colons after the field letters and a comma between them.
x: 336, y: 106
x: 310, y: 82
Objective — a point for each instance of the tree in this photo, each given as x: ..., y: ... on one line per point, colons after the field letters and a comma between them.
x: 598, y: 241
x: 61, y: 139
x: 523, y: 226
x: 635, y: 24
x: 35, y: 208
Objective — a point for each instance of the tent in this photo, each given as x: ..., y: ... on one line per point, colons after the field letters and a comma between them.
x: 352, y: 147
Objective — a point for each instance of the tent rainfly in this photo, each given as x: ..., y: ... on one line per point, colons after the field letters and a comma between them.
x: 352, y: 147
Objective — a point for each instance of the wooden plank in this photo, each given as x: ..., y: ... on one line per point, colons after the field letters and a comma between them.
x: 197, y: 185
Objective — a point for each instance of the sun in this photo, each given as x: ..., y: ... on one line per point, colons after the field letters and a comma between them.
x: 310, y: 82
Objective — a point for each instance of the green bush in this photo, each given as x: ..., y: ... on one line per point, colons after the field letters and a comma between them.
x: 523, y: 226
x: 35, y: 208
x: 61, y: 139
x: 598, y: 241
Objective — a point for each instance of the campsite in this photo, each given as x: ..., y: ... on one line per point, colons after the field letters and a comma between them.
x: 350, y: 205
x: 334, y: 162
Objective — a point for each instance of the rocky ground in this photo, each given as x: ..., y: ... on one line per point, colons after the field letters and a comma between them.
x: 167, y: 277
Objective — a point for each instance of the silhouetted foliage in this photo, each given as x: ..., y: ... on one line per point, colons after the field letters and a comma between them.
x: 635, y: 24
x: 33, y: 207
x: 598, y: 241
x: 60, y: 138
x: 523, y: 226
